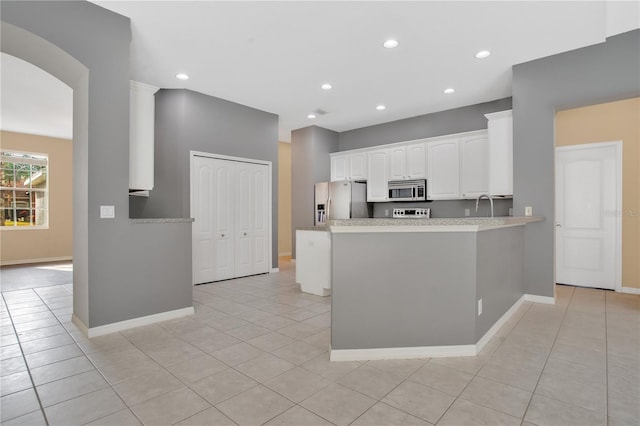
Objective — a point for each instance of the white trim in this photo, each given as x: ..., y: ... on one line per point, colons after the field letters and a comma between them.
x: 539, y: 299
x: 131, y: 323
x: 434, y: 351
x: 402, y: 353
x: 630, y: 290
x: 498, y: 324
x: 275, y: 270
x: 38, y: 260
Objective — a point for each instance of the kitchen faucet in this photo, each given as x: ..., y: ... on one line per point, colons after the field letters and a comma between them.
x: 488, y: 198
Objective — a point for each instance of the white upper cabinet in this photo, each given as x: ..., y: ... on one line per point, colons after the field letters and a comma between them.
x: 397, y: 158
x: 500, y: 127
x: 349, y: 166
x: 377, y: 183
x: 339, y: 167
x: 443, y: 169
x: 416, y: 160
x: 474, y: 166
x: 141, y: 135
x: 358, y: 166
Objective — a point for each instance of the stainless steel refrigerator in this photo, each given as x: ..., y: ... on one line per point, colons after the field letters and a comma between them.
x: 340, y: 200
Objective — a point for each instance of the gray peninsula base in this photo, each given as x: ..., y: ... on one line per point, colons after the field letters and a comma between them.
x: 415, y: 294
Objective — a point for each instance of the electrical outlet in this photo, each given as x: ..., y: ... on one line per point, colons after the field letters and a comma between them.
x: 107, y: 212
x: 528, y: 211
x: 467, y: 212
x: 479, y: 307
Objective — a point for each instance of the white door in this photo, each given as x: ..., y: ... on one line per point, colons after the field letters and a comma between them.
x: 251, y: 216
x: 588, y: 199
x: 223, y: 219
x: 260, y: 223
x: 244, y: 217
x: 202, y: 211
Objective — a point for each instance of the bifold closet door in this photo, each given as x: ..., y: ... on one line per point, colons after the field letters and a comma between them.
x: 251, y: 216
x: 230, y: 207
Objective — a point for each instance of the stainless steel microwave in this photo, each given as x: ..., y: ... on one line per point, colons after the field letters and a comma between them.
x: 408, y: 190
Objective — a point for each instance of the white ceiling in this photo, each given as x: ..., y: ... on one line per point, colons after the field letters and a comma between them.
x: 275, y: 55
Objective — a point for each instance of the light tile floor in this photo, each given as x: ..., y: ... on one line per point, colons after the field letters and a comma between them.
x: 256, y: 352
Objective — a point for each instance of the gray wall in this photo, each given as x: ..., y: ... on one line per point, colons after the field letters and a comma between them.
x: 426, y: 297
x: 112, y: 278
x: 457, y: 120
x: 187, y: 120
x: 310, y: 163
x: 591, y: 75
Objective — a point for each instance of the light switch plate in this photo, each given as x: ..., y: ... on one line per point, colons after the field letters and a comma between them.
x: 467, y: 212
x: 107, y: 212
x: 528, y: 211
x: 479, y: 307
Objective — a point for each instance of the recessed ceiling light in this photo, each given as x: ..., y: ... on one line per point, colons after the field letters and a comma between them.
x: 483, y: 54
x: 311, y: 116
x: 182, y: 76
x: 326, y: 86
x: 381, y: 107
x: 391, y: 43
x: 449, y: 90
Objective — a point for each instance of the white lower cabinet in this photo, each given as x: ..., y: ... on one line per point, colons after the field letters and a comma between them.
x: 313, y: 261
x: 230, y: 206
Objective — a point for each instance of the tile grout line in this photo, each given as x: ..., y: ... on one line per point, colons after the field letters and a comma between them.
x: 35, y: 390
x: 564, y: 315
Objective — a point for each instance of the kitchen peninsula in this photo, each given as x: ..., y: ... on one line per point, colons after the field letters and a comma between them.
x: 408, y: 288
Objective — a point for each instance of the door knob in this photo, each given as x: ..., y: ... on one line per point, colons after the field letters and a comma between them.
x: 558, y: 225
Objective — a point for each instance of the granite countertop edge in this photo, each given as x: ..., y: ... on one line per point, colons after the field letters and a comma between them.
x: 163, y: 220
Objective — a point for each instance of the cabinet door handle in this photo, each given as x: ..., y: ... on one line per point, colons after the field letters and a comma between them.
x: 245, y: 234
x: 222, y: 235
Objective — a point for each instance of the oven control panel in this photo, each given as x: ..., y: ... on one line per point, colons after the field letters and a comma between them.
x: 410, y: 213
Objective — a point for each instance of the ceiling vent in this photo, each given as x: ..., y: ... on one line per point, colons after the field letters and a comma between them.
x: 320, y: 112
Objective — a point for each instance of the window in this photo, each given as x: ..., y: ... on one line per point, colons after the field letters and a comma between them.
x: 24, y: 189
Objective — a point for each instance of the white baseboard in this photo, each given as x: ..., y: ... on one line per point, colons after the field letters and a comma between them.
x: 540, y: 299
x: 275, y: 270
x: 435, y: 351
x: 630, y: 290
x: 131, y: 323
x: 38, y: 260
x: 402, y: 353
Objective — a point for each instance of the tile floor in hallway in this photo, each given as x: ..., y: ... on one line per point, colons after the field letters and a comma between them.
x: 256, y: 352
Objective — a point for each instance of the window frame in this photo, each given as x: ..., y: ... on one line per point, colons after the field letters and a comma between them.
x: 36, y: 158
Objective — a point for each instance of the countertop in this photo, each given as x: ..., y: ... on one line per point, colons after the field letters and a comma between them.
x: 163, y: 220
x: 458, y: 224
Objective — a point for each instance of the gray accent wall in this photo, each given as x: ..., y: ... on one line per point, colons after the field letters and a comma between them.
x: 595, y: 74
x: 458, y: 120
x: 121, y: 270
x: 191, y: 121
x: 398, y: 290
x: 449, y: 208
x: 310, y: 164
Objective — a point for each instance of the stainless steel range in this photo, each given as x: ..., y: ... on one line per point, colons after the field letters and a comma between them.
x: 412, y: 213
